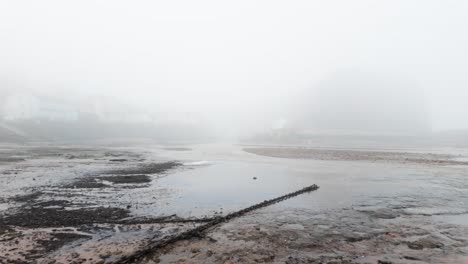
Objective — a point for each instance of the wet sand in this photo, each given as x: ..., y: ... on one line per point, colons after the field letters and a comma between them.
x: 358, y: 155
x: 98, y: 204
x: 73, y: 203
x: 333, y: 237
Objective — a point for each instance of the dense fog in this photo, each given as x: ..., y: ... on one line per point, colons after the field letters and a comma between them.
x: 215, y: 70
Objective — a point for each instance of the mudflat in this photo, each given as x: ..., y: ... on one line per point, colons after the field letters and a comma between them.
x: 61, y: 204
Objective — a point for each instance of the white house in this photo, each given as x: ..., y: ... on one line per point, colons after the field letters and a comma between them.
x: 22, y: 106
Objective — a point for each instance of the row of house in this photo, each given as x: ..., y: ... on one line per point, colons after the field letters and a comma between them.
x: 23, y: 106
x: 28, y: 106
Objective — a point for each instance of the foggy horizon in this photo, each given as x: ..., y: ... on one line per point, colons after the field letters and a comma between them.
x: 240, y: 66
x: 230, y: 132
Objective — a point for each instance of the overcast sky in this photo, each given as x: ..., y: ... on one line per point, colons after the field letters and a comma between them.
x: 235, y: 59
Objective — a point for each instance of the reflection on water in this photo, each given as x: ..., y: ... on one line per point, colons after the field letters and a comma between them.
x: 227, y: 186
x: 221, y: 179
x: 224, y: 186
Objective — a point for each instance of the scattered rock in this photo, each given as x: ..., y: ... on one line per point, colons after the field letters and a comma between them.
x: 195, y: 249
x: 126, y: 179
x: 294, y: 260
x: 10, y: 159
x: 60, y: 239
x: 427, y: 242
x: 384, y: 262
x: 150, y: 168
x: 27, y: 197
x: 383, y: 213
x: 53, y: 217
x: 212, y: 240
x: 86, y: 183
x: 411, y: 258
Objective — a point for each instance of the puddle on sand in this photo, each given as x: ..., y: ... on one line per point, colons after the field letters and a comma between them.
x: 226, y: 186
x: 223, y: 187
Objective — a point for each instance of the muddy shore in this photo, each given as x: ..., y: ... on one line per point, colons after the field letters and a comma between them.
x: 79, y: 204
x: 52, y: 199
x: 357, y: 155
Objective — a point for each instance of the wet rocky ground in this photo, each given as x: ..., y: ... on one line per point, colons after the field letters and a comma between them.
x: 71, y: 204
x: 336, y: 236
x: 80, y: 204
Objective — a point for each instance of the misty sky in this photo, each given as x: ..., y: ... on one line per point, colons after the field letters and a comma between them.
x: 233, y: 59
